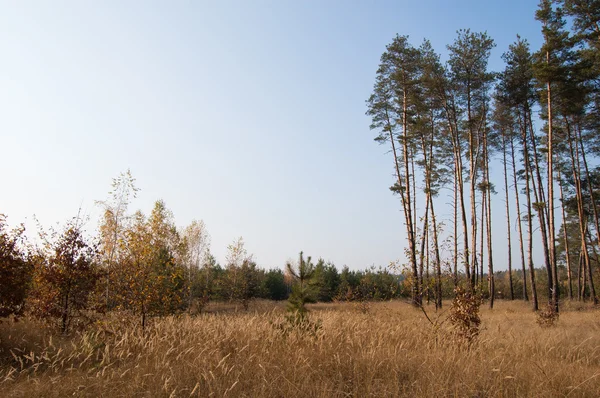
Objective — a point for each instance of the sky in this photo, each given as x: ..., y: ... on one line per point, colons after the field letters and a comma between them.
x: 248, y: 115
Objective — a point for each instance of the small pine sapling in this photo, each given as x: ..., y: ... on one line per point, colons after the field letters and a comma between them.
x: 303, y: 292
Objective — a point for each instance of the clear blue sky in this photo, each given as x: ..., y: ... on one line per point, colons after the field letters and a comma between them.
x: 249, y: 115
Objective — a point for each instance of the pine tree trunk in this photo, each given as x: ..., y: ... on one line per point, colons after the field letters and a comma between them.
x: 438, y: 261
x: 528, y: 178
x: 519, y: 221
x: 488, y: 191
x: 581, y: 276
x: 491, y: 280
x: 590, y: 277
x: 592, y: 201
x: 540, y: 207
x: 458, y: 167
x: 474, y: 262
x: 508, y: 229
x: 551, y: 228
x: 414, y: 186
x: 481, y: 245
x: 406, y: 206
x: 565, y: 237
x: 463, y: 210
x: 575, y: 165
x: 427, y: 280
x: 473, y: 148
x: 423, y: 241
x: 455, y: 240
x: 428, y: 161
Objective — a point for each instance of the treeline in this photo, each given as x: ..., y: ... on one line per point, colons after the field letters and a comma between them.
x: 149, y: 267
x: 444, y: 122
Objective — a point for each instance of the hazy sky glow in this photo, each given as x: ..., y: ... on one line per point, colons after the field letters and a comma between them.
x: 249, y: 115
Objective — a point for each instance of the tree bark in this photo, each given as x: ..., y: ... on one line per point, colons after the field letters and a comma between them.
x: 408, y: 207
x: 528, y: 177
x: 455, y: 240
x: 540, y: 207
x: 519, y: 221
x: 508, y: 229
x: 565, y: 237
x: 488, y: 192
x: 551, y: 228
x: 481, y: 242
x: 592, y: 201
x: 575, y: 165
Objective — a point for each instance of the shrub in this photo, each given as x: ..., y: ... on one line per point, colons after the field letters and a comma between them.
x: 464, y: 314
x: 65, y: 278
x: 548, y: 317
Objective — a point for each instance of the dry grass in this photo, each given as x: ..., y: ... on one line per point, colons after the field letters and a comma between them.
x: 391, y: 350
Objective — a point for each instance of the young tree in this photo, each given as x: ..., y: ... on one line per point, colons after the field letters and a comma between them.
x: 151, y: 282
x: 242, y: 282
x: 247, y: 284
x: 66, y: 273
x: 137, y: 281
x: 113, y: 223
x: 196, y: 249
x: 303, y: 289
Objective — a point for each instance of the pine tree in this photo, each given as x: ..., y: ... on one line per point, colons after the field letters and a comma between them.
x: 391, y: 107
x: 469, y: 56
x: 516, y: 93
x: 503, y: 124
x: 303, y: 289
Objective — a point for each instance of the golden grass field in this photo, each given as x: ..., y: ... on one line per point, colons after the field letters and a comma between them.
x: 386, y: 350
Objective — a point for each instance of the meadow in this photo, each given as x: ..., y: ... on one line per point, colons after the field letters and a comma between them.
x: 383, y: 349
